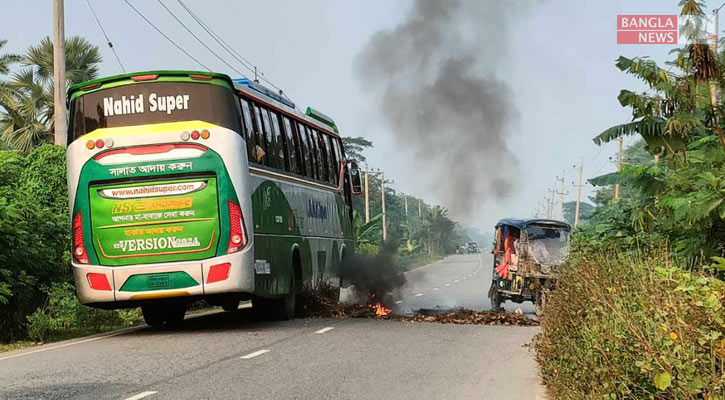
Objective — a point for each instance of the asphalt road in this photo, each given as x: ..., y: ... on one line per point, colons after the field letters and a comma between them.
x: 454, y: 282
x: 230, y: 355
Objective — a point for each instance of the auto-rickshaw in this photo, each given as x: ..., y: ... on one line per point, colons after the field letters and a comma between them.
x: 526, y: 255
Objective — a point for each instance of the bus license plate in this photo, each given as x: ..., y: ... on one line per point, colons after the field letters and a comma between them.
x: 158, y: 281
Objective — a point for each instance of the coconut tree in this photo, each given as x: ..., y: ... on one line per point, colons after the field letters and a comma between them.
x: 27, y: 118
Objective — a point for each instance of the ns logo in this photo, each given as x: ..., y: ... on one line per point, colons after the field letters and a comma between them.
x: 316, y: 210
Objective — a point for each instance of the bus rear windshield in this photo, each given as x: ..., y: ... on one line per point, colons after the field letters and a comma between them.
x: 153, y: 103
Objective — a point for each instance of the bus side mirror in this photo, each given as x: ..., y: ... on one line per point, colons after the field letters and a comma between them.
x: 355, y: 180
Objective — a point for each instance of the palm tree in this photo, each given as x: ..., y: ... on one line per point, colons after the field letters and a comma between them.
x: 6, y: 59
x: 27, y: 118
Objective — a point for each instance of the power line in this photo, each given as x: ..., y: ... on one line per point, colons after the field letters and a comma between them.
x: 197, y: 38
x: 110, y: 44
x: 166, y: 37
x: 246, y: 63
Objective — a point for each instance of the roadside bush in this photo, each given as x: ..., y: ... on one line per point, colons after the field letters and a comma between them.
x: 64, y: 316
x: 34, y: 234
x: 633, y: 326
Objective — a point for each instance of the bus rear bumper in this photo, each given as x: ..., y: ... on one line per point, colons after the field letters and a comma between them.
x: 138, y: 283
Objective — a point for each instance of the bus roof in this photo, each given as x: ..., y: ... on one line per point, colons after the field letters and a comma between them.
x: 250, y: 88
x: 259, y: 92
x: 145, y: 76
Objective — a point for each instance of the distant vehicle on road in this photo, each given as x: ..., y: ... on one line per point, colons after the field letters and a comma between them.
x: 190, y: 185
x: 526, y: 255
x: 472, y: 247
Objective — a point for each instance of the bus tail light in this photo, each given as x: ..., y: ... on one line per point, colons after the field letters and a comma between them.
x: 218, y: 272
x: 141, y: 78
x: 237, y: 230
x: 98, y: 281
x: 79, y: 249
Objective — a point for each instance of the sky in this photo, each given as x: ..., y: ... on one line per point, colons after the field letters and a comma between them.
x: 559, y: 70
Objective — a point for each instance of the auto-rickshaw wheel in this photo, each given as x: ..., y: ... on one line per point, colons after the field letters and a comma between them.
x: 540, y: 301
x: 496, y: 299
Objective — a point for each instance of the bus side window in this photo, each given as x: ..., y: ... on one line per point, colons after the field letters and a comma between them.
x: 248, y: 127
x: 258, y: 136
x: 268, y: 140
x: 305, y: 141
x: 280, y: 143
x: 312, y: 144
x: 322, y: 157
x: 334, y: 159
x: 338, y: 149
x: 293, y: 147
x: 322, y: 172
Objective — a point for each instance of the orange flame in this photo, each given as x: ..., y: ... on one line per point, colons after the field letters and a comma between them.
x: 380, y: 310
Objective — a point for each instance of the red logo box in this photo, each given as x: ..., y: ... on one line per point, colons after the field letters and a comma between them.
x: 647, y: 29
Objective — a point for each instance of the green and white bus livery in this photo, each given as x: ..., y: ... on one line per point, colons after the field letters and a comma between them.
x: 189, y: 185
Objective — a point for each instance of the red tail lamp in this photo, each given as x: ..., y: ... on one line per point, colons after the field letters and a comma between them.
x: 237, y: 229
x: 218, y: 272
x: 195, y: 135
x: 79, y: 249
x: 98, y: 281
x: 141, y: 78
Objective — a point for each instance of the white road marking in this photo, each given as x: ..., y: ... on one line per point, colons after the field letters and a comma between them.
x: 419, y: 294
x: 255, y: 354
x: 435, y: 288
x: 425, y: 266
x: 323, y: 330
x: 456, y: 281
x: 141, y: 395
x: 448, y: 284
x: 91, y: 339
x: 399, y: 301
x: 464, y: 278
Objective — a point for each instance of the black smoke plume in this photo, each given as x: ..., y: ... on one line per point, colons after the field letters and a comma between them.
x: 434, y: 79
x: 375, y: 278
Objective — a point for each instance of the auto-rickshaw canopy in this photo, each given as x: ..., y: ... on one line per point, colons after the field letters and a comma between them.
x: 525, y: 223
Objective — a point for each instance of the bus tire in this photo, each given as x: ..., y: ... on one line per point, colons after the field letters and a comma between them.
x: 230, y: 305
x: 152, y: 315
x: 164, y: 314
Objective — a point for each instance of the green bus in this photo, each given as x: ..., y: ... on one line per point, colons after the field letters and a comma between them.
x: 189, y: 185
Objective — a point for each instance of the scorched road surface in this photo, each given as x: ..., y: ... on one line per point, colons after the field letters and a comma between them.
x: 232, y: 356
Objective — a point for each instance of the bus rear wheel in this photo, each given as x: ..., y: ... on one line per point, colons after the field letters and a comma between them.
x: 280, y: 308
x: 163, y: 314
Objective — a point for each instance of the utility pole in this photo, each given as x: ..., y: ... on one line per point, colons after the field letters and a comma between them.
x: 382, y: 195
x: 562, y: 194
x: 367, y: 198
x: 714, y: 89
x: 420, y: 213
x: 619, y: 168
x: 550, y: 204
x: 405, y: 202
x: 61, y: 128
x: 579, y: 194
